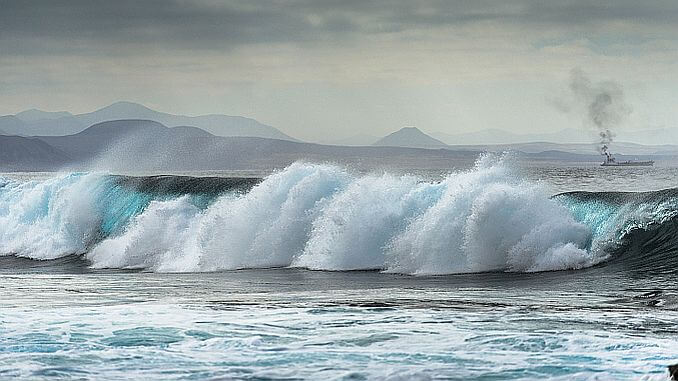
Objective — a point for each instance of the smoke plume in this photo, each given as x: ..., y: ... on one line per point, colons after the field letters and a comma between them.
x: 605, y: 105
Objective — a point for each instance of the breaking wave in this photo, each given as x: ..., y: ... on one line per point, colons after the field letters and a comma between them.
x: 324, y: 217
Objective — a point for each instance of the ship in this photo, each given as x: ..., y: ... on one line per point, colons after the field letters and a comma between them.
x: 610, y: 161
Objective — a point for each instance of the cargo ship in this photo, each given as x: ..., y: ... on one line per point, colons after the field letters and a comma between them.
x: 610, y: 161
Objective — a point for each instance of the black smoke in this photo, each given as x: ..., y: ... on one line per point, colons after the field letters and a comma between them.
x: 605, y: 105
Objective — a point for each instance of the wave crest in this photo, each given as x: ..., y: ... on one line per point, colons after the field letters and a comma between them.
x: 324, y: 217
x: 321, y: 217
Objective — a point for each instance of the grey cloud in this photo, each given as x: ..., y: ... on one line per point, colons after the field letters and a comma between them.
x: 173, y: 24
x: 80, y: 25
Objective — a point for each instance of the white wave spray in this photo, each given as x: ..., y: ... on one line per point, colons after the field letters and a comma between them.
x: 321, y: 217
x: 48, y: 219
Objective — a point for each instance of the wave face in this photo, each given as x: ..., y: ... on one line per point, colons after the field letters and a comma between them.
x: 636, y: 230
x: 323, y: 217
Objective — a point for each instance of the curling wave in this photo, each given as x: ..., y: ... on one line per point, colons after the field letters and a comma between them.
x: 323, y: 217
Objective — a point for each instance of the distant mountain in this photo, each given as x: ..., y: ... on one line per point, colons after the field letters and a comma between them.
x: 220, y: 125
x: 21, y: 153
x: 190, y: 131
x: 41, y: 123
x: 10, y: 124
x: 115, y: 128
x: 33, y: 115
x: 409, y: 137
x: 99, y: 137
x: 35, y: 122
x: 61, y: 126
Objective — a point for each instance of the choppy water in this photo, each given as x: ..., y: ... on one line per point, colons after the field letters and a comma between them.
x: 108, y: 277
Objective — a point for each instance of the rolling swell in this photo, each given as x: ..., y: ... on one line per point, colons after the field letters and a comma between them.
x: 164, y: 185
x: 323, y: 217
x: 71, y: 213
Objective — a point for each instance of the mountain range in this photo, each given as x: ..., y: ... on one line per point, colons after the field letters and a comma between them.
x: 488, y: 137
x: 134, y: 146
x: 415, y: 138
x: 35, y: 122
x: 125, y: 146
x: 130, y: 137
x: 42, y: 123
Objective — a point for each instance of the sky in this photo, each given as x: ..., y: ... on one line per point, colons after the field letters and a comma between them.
x: 324, y: 70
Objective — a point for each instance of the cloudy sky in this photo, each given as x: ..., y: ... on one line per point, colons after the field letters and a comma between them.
x: 320, y: 70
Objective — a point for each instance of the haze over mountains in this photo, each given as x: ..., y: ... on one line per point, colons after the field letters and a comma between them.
x: 41, y: 123
x: 498, y: 140
x: 130, y: 146
x: 657, y: 136
x: 497, y: 136
x: 355, y: 140
x: 35, y: 122
x: 133, y: 146
x: 127, y: 137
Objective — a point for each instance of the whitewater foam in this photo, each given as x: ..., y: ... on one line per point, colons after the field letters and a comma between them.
x: 69, y: 213
x: 323, y: 218
x: 48, y: 219
x: 488, y: 219
x: 265, y: 227
x: 354, y: 228
x: 151, y: 240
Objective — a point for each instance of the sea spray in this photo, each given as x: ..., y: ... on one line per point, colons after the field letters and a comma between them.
x: 322, y: 217
x: 354, y: 228
x: 48, y: 219
x: 153, y: 239
x: 265, y: 227
x: 488, y: 219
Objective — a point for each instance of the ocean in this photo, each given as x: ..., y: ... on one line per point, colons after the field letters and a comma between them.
x: 493, y: 270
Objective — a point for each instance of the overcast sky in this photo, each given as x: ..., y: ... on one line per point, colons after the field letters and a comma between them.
x: 331, y: 69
